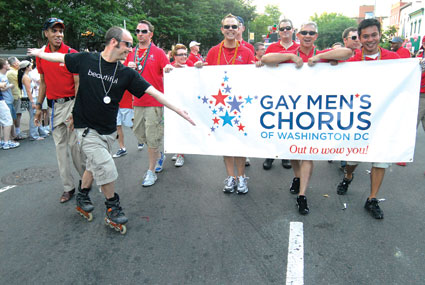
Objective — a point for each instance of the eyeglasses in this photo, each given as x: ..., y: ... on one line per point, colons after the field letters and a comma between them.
x: 141, y: 31
x: 127, y: 44
x: 311, y: 33
x: 353, y: 38
x: 234, y: 27
x: 287, y: 28
x: 181, y: 54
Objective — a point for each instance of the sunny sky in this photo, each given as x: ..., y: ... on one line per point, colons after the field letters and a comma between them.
x: 300, y: 11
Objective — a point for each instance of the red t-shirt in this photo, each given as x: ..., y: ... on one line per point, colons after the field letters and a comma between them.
x: 403, y: 52
x: 278, y: 47
x: 244, y: 56
x: 385, y: 54
x: 59, y: 81
x: 153, y: 73
x: 126, y: 101
x: 423, y: 74
x: 188, y: 63
x: 195, y: 58
x: 247, y: 45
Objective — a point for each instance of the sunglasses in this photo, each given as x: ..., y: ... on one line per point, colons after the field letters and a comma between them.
x: 287, y: 28
x: 311, y: 33
x: 51, y: 21
x: 141, y: 31
x: 181, y: 54
x: 127, y: 44
x: 353, y: 38
x: 234, y: 27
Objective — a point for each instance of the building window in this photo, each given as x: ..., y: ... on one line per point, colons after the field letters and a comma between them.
x: 419, y: 26
x: 416, y: 22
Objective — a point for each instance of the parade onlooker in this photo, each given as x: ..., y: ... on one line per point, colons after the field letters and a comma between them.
x: 194, y: 52
x: 43, y: 130
x: 7, y: 92
x: 60, y: 87
x: 230, y: 52
x: 369, y: 31
x: 397, y: 47
x: 12, y: 76
x: 150, y: 61
x: 6, y: 121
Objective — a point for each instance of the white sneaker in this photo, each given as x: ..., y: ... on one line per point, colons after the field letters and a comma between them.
x: 10, y: 144
x: 174, y: 158
x: 179, y: 160
x: 159, y: 166
x: 229, y: 185
x: 242, y: 185
x: 140, y: 146
x: 149, y: 179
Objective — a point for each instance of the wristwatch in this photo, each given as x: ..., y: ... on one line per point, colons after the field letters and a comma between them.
x: 39, y: 104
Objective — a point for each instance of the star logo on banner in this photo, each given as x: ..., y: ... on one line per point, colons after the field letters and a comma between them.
x: 228, y: 113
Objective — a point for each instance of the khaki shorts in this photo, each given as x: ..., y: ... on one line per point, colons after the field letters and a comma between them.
x: 17, y: 106
x: 97, y: 149
x: 374, y: 164
x: 148, y: 125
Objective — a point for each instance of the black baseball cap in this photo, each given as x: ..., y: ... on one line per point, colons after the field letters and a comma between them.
x: 52, y: 22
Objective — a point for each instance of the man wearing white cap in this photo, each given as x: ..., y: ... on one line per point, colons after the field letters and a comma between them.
x: 194, y: 52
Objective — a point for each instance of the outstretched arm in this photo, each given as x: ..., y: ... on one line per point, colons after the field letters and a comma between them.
x: 276, y: 58
x: 161, y: 99
x: 39, y: 52
x: 335, y: 54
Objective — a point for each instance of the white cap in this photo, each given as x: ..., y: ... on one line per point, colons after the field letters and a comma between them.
x: 193, y: 43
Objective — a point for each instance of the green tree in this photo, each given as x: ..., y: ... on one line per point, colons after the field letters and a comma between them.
x: 386, y: 36
x: 331, y: 27
x: 263, y: 21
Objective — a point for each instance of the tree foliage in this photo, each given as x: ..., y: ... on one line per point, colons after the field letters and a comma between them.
x: 331, y: 27
x: 263, y: 21
x: 386, y: 36
x: 175, y: 21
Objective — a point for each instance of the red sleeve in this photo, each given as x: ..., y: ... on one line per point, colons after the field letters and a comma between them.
x: 189, y: 62
x: 39, y: 65
x: 404, y: 53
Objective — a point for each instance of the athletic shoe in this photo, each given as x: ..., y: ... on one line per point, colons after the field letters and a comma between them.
x: 268, y: 163
x: 302, y: 205
x: 179, y: 161
x: 160, y: 163
x: 120, y: 152
x: 174, y: 158
x: 229, y: 185
x: 343, y: 186
x: 242, y: 185
x: 140, y: 146
x: 10, y: 144
x: 2, y: 144
x: 149, y: 179
x: 374, y: 209
x: 247, y: 162
x: 20, y: 136
x: 295, y: 186
x: 401, y: 163
x: 286, y: 164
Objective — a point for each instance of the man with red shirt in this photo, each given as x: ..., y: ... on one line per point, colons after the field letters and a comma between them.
x: 229, y: 52
x: 306, y: 52
x: 369, y: 31
x: 124, y: 118
x: 259, y: 51
x: 150, y: 61
x: 239, y: 36
x: 194, y: 52
x: 421, y: 113
x: 60, y: 86
x: 396, y: 46
x: 286, y: 43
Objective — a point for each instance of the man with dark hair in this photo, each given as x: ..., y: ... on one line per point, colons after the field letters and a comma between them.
x: 103, y: 81
x: 286, y: 31
x: 351, y: 39
x: 149, y: 61
x: 369, y: 31
x: 60, y: 86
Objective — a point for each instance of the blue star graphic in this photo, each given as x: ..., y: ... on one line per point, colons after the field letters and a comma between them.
x: 226, y: 78
x: 248, y: 100
x: 235, y: 105
x: 245, y: 134
x: 227, y: 88
x: 236, y: 121
x: 256, y: 97
x: 221, y: 109
x: 199, y: 97
x: 205, y: 100
x: 212, y: 129
x: 214, y: 111
x: 227, y: 119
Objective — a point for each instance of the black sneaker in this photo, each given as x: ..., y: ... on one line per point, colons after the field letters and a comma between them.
x: 295, y: 186
x: 286, y: 164
x: 268, y: 163
x: 302, y: 205
x: 373, y: 207
x: 343, y: 186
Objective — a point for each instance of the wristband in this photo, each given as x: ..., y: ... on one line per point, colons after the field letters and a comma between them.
x: 39, y: 104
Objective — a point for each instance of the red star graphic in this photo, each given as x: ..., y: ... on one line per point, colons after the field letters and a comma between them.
x: 211, y: 102
x: 222, y: 84
x: 240, y: 97
x: 219, y: 98
x: 235, y: 112
x: 241, y: 127
x: 357, y: 95
x: 216, y: 120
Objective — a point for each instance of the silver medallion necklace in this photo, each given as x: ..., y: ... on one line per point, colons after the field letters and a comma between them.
x: 106, y: 98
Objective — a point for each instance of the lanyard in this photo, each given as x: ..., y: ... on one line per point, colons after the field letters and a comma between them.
x: 314, y: 52
x: 143, y: 57
x: 220, y: 50
x: 379, y: 54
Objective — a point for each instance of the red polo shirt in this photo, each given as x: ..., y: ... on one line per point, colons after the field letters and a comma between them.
x: 153, y: 73
x: 278, y: 47
x: 244, y: 56
x: 385, y: 54
x: 247, y: 45
x: 59, y: 81
x: 195, y: 58
x: 403, y: 52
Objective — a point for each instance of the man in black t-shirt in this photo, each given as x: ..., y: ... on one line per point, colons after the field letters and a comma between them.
x: 103, y: 80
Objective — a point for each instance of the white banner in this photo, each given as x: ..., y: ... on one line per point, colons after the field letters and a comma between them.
x: 355, y: 111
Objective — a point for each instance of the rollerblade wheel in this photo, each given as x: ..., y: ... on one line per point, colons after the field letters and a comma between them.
x: 89, y: 217
x: 123, y: 229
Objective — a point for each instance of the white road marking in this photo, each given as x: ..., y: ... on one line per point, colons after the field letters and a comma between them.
x: 7, y: 188
x: 295, y: 266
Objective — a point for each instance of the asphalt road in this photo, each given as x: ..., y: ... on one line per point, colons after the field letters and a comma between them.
x: 185, y: 230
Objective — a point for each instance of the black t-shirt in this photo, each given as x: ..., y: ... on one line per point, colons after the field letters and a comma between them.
x: 89, y: 109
